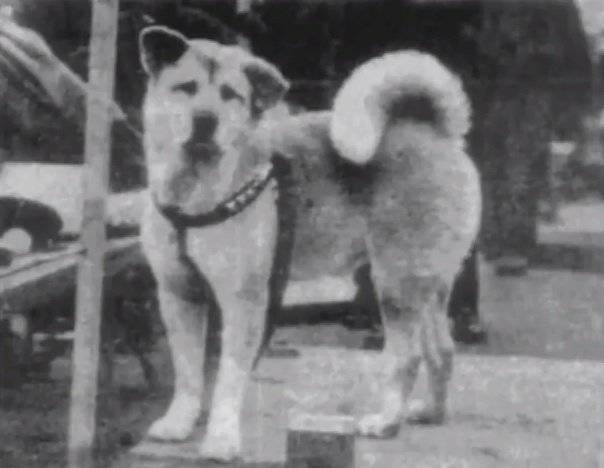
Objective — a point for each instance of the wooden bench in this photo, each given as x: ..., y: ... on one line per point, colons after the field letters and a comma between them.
x: 36, y: 279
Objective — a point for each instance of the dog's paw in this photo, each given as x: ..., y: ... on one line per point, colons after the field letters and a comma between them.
x: 420, y: 412
x: 378, y: 425
x: 221, y: 448
x: 172, y: 428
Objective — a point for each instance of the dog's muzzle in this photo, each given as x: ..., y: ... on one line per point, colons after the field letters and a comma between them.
x: 231, y: 206
x: 201, y: 143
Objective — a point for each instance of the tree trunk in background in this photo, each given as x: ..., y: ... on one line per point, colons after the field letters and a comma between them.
x: 516, y: 130
x: 534, y: 70
x: 86, y: 346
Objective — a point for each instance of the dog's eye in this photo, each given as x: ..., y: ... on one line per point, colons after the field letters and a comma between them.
x: 227, y: 94
x: 188, y: 87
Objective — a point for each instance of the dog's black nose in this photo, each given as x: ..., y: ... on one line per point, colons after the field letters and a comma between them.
x: 204, y: 126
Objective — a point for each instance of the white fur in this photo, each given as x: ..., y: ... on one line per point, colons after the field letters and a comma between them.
x: 236, y: 256
x: 360, y: 108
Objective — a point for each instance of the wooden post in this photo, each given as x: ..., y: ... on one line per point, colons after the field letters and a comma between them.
x: 320, y: 440
x: 82, y: 415
x: 243, y: 7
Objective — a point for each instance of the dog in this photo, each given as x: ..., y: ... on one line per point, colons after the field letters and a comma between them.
x: 382, y: 179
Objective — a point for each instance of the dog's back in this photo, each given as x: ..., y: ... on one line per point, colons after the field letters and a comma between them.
x: 386, y: 166
x: 332, y: 197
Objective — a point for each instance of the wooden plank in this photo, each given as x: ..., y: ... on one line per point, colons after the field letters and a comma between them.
x: 29, y: 262
x: 32, y: 278
x: 325, y: 290
x: 82, y: 414
x: 566, y: 256
x: 36, y: 278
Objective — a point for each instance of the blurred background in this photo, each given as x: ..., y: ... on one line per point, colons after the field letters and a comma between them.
x: 534, y: 70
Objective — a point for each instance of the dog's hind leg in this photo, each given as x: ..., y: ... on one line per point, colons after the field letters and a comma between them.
x: 402, y: 302
x: 243, y: 320
x: 438, y: 351
x: 185, y: 324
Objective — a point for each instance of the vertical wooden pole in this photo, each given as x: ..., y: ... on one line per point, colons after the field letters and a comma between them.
x: 243, y: 7
x: 90, y: 274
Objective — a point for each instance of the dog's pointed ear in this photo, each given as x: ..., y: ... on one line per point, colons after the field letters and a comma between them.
x: 268, y: 84
x: 160, y: 46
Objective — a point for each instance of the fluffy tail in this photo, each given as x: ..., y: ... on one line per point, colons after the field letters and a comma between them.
x: 400, y: 85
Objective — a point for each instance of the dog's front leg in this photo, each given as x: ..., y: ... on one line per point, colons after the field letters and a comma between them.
x: 243, y: 321
x: 185, y: 324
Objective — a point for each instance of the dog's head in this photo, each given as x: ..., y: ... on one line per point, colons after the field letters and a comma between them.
x: 203, y: 98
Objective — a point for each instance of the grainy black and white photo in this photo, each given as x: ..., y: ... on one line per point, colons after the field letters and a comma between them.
x: 301, y: 233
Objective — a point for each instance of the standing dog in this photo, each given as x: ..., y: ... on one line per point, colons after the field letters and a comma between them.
x: 381, y: 179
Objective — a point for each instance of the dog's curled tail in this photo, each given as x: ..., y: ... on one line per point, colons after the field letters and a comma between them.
x: 400, y: 85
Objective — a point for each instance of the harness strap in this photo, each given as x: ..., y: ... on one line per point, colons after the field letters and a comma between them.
x: 224, y: 210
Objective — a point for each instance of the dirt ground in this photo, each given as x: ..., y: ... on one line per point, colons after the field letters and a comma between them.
x: 533, y: 396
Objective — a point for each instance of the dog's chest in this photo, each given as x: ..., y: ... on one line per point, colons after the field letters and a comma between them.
x: 229, y: 252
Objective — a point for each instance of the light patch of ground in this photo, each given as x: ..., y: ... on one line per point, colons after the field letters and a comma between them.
x: 505, y: 411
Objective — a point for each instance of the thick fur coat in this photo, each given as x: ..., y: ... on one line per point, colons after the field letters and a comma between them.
x: 381, y: 179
